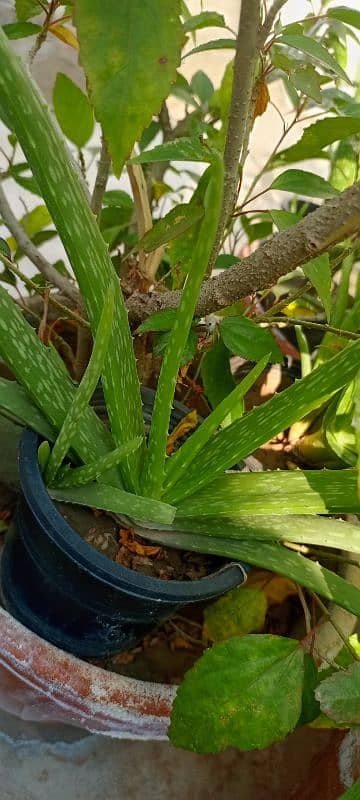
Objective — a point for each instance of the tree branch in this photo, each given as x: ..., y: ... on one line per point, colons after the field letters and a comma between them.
x: 269, y: 21
x: 29, y: 249
x: 330, y: 224
x: 101, y: 179
x: 246, y: 57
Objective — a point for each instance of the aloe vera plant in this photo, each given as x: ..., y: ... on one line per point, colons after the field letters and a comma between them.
x: 191, y: 499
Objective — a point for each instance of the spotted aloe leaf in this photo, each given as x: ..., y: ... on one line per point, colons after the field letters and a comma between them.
x: 65, y: 198
x: 79, y: 476
x: 47, y: 384
x: 85, y: 390
x: 263, y: 422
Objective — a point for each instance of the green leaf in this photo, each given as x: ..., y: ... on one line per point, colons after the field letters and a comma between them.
x: 85, y: 390
x: 338, y: 426
x: 189, y: 351
x: 25, y: 9
x: 339, y: 695
x: 344, y: 166
x: 245, y: 338
x: 316, y: 137
x: 229, y: 407
x: 129, y: 71
x: 215, y: 44
x: 216, y: 374
x: 307, y: 81
x: 162, y: 321
x: 353, y: 793
x: 5, y: 249
x: 185, y: 149
x: 207, y: 19
x: 237, y: 613
x: 43, y: 455
x: 304, y: 183
x: 88, y: 254
x: 153, y: 473
x: 228, y: 700
x: 347, y: 15
x: 284, y: 219
x: 262, y: 423
x: 110, y: 498
x: 176, y: 222
x: 268, y: 555
x: 202, y: 86
x: 225, y: 260
x: 91, y: 472
x: 15, y: 401
x: 356, y: 423
x: 318, y: 272
x: 277, y: 492
x: 119, y: 199
x: 73, y: 110
x: 310, y: 708
x: 313, y: 48
x: 19, y: 30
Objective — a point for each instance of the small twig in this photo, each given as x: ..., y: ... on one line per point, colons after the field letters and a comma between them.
x: 338, y: 630
x: 246, y: 58
x: 101, y: 179
x: 307, y: 615
x: 41, y: 291
x: 266, y: 28
x: 185, y: 635
x: 305, y: 323
x: 29, y: 249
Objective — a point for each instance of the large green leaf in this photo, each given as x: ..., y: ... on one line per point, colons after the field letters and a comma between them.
x: 268, y: 555
x: 130, y: 52
x: 216, y: 374
x: 110, y: 498
x: 19, y: 30
x: 307, y: 81
x: 207, y: 19
x: 304, y: 183
x: 243, y: 337
x: 176, y: 222
x: 277, y: 492
x: 316, y: 51
x: 318, y: 272
x: 241, y: 438
x: 68, y: 205
x: 347, y: 15
x: 237, y: 613
x: 185, y: 149
x: 339, y: 695
x: 25, y: 9
x: 316, y: 137
x: 228, y: 700
x: 344, y: 166
x: 215, y: 44
x: 73, y: 111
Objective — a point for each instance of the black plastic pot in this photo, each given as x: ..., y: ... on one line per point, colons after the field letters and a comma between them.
x: 61, y: 588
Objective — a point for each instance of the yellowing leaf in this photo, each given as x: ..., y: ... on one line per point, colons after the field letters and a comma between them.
x: 65, y: 35
x: 262, y: 100
x: 237, y: 613
x: 276, y: 588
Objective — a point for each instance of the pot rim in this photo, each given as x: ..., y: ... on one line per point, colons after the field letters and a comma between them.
x: 70, y: 543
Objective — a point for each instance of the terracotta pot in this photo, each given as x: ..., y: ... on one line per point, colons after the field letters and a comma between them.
x: 41, y: 683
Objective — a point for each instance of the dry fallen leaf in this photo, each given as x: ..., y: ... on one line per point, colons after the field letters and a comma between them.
x: 127, y: 539
x: 178, y: 643
x: 186, y: 425
x: 276, y: 588
x: 262, y: 99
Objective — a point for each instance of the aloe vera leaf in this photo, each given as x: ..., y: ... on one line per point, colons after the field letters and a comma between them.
x: 245, y: 435
x: 85, y: 390
x: 47, y: 385
x: 271, y: 556
x: 116, y: 501
x: 277, y: 492
x: 181, y: 460
x: 15, y: 401
x: 301, y: 529
x: 153, y: 473
x: 79, y: 476
x: 64, y: 195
